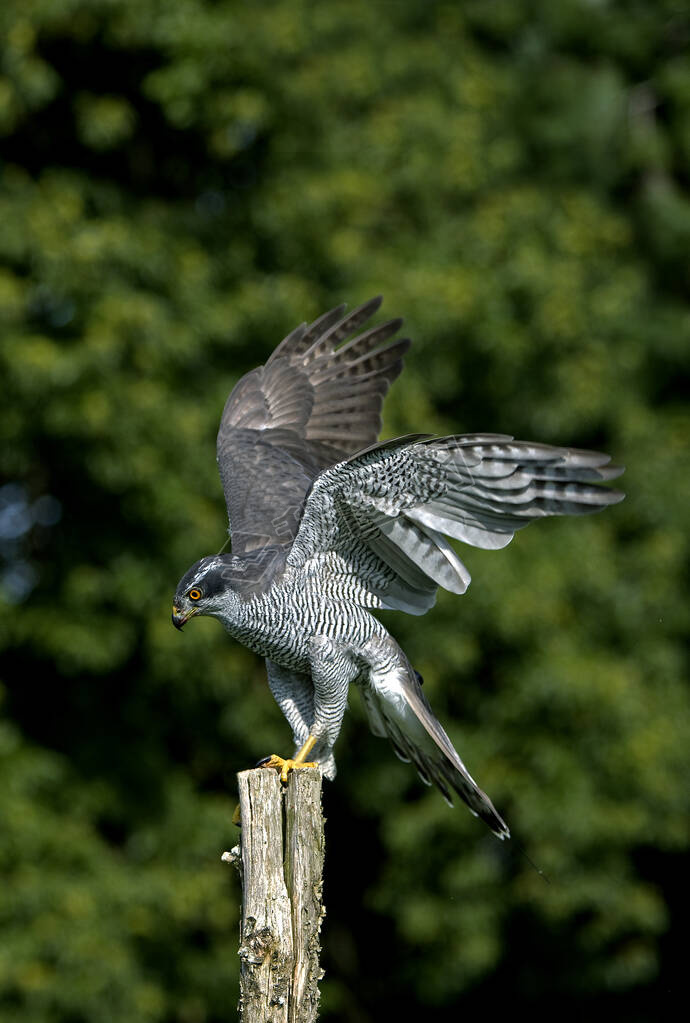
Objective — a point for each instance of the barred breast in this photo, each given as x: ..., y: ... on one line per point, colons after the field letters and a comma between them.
x: 281, y: 623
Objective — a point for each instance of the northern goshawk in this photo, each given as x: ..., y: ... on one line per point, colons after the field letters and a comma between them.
x: 327, y: 526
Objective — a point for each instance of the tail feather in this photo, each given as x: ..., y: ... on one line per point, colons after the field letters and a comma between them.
x: 403, y: 715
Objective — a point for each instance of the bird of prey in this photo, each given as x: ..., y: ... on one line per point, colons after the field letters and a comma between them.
x: 328, y: 525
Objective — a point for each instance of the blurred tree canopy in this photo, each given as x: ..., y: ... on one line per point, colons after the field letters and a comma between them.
x: 181, y: 183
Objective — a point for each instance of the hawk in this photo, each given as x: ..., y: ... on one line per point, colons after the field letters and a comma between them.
x: 328, y: 526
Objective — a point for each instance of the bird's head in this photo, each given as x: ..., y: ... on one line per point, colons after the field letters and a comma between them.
x: 220, y: 584
x: 204, y: 590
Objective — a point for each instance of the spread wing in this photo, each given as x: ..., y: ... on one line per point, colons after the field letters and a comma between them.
x: 317, y: 399
x: 379, y: 520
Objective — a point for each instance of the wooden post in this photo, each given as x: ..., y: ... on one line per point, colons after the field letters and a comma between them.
x: 280, y: 861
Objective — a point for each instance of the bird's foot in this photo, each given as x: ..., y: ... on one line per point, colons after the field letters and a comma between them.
x: 285, y: 766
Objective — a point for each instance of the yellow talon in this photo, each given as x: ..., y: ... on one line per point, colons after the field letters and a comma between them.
x: 285, y: 765
x: 291, y: 765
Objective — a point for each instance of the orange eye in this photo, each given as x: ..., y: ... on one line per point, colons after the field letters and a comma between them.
x: 194, y: 594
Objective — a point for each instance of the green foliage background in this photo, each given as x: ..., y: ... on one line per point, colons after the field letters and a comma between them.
x: 183, y: 182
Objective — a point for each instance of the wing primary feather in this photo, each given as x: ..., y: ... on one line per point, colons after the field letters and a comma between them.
x: 368, y: 340
x: 344, y: 327
x: 289, y: 343
x: 387, y: 362
x: 303, y: 336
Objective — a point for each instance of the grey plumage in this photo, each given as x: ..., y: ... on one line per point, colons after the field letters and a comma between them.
x: 308, y: 407
x: 327, y: 524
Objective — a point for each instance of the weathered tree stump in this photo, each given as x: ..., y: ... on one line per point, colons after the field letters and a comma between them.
x: 280, y: 861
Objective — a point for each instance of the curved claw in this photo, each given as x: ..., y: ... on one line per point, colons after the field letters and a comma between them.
x: 291, y: 764
x: 285, y: 766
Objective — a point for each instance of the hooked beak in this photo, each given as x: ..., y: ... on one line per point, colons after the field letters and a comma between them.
x: 179, y: 619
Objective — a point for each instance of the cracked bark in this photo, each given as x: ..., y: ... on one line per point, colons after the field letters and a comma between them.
x: 281, y: 869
